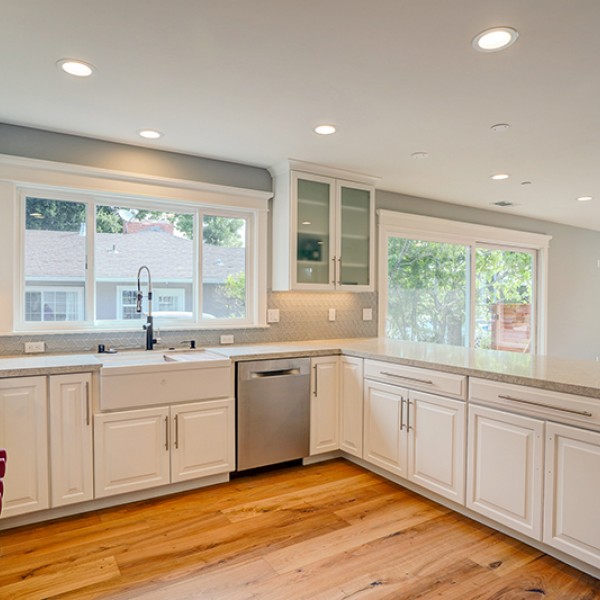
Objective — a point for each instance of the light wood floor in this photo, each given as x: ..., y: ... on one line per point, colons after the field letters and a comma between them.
x: 326, y: 532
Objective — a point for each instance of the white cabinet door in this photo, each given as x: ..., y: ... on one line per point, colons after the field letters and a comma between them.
x: 505, y: 471
x: 24, y: 434
x: 203, y: 439
x: 436, y: 444
x: 71, y: 450
x: 131, y: 450
x: 351, y: 405
x: 385, y: 426
x: 572, y: 511
x: 324, y: 405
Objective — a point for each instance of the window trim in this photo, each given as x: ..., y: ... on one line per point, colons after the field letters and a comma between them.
x: 53, y: 288
x: 256, y: 231
x: 434, y: 229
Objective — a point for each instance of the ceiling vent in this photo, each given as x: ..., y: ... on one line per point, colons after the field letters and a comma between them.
x: 503, y: 203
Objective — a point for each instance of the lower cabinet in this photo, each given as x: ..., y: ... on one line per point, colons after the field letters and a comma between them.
x: 351, y: 405
x: 71, y: 448
x: 572, y: 492
x: 24, y: 434
x: 416, y: 435
x: 141, y: 449
x: 505, y: 472
x: 324, y: 405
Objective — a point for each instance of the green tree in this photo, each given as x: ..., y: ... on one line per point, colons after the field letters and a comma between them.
x: 222, y: 231
x: 233, y: 293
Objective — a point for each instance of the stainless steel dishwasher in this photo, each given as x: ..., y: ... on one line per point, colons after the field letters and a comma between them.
x: 273, y: 411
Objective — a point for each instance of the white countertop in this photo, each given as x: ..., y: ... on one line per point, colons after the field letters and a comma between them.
x: 556, y: 374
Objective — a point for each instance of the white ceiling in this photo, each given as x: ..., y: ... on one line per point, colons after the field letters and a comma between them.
x: 247, y: 81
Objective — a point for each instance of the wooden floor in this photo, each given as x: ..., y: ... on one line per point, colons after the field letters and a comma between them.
x: 326, y: 532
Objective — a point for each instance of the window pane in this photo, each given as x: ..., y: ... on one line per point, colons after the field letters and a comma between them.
x: 504, y: 293
x: 127, y: 239
x: 427, y: 291
x: 55, y: 260
x: 223, y: 267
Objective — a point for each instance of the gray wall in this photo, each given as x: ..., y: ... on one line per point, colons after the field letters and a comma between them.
x: 573, y: 273
x: 574, y: 277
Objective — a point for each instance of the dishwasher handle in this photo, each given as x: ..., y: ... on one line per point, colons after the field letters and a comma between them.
x: 274, y: 373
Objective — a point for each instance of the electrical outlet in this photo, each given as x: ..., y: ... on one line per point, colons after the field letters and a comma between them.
x: 226, y: 339
x: 273, y: 315
x: 332, y: 314
x: 367, y: 314
x: 32, y: 347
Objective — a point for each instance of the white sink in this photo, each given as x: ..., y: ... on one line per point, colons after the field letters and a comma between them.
x: 134, y: 379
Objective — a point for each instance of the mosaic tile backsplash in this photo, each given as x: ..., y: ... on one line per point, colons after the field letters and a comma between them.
x: 303, y: 316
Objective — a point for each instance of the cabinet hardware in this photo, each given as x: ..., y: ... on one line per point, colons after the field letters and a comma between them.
x: 408, y: 425
x: 401, y: 413
x: 339, y: 275
x: 167, y: 433
x: 334, y: 270
x: 315, y: 392
x: 427, y: 381
x: 584, y: 413
x: 87, y: 403
x: 176, y: 432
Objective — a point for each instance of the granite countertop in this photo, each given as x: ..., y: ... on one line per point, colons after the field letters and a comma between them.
x: 555, y: 374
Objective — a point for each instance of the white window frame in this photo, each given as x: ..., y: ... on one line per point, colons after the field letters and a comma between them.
x: 175, y: 292
x: 433, y: 229
x: 54, y: 288
x: 24, y: 177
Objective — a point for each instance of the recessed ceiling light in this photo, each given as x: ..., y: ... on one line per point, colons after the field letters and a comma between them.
x: 495, y: 39
x: 150, y: 134
x: 499, y: 176
x: 75, y: 67
x: 325, y: 129
x: 420, y: 155
x: 500, y: 127
x: 584, y: 198
x: 306, y: 223
x: 36, y: 215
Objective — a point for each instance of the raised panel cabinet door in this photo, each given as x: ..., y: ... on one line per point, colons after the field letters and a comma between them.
x: 572, y: 511
x: 505, y: 469
x: 131, y: 450
x: 385, y: 427
x: 203, y: 439
x: 313, y: 248
x: 71, y: 446
x: 324, y: 405
x: 355, y: 251
x: 24, y: 434
x: 351, y: 405
x: 436, y: 444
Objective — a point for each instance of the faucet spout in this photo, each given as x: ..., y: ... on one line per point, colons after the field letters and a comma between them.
x: 149, y: 325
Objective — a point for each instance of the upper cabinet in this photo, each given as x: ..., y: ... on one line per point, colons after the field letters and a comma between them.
x: 323, y: 229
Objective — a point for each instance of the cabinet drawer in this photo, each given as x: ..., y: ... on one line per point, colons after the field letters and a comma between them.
x: 416, y: 378
x: 554, y: 406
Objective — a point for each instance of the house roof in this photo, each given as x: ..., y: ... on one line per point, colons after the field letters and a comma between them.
x: 61, y: 255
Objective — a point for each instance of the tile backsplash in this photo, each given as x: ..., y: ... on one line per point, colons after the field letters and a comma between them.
x: 303, y: 316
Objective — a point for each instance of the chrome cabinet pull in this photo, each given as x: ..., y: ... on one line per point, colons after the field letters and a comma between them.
x: 401, y: 413
x: 334, y: 270
x: 167, y: 434
x: 339, y: 271
x: 176, y: 431
x: 87, y: 403
x: 584, y: 413
x: 408, y: 425
x: 315, y: 391
x: 427, y: 381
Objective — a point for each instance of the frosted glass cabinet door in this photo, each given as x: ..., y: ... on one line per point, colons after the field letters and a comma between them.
x: 355, y: 251
x: 314, y: 220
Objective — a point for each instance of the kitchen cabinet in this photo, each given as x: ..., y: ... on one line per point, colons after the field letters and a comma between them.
x: 324, y: 405
x: 323, y: 229
x: 505, y: 472
x: 24, y: 434
x: 71, y: 447
x: 351, y: 405
x: 140, y: 449
x: 572, y: 492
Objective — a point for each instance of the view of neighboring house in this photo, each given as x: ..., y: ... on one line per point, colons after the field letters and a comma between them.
x: 55, y: 274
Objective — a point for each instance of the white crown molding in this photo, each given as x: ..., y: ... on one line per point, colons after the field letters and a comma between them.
x: 315, y: 169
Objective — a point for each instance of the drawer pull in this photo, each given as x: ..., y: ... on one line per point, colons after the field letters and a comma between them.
x: 427, y: 381
x: 584, y: 413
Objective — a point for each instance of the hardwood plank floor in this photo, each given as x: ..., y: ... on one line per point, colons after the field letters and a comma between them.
x: 330, y: 531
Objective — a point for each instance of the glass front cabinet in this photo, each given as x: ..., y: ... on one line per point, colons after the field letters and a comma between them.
x: 323, y: 231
